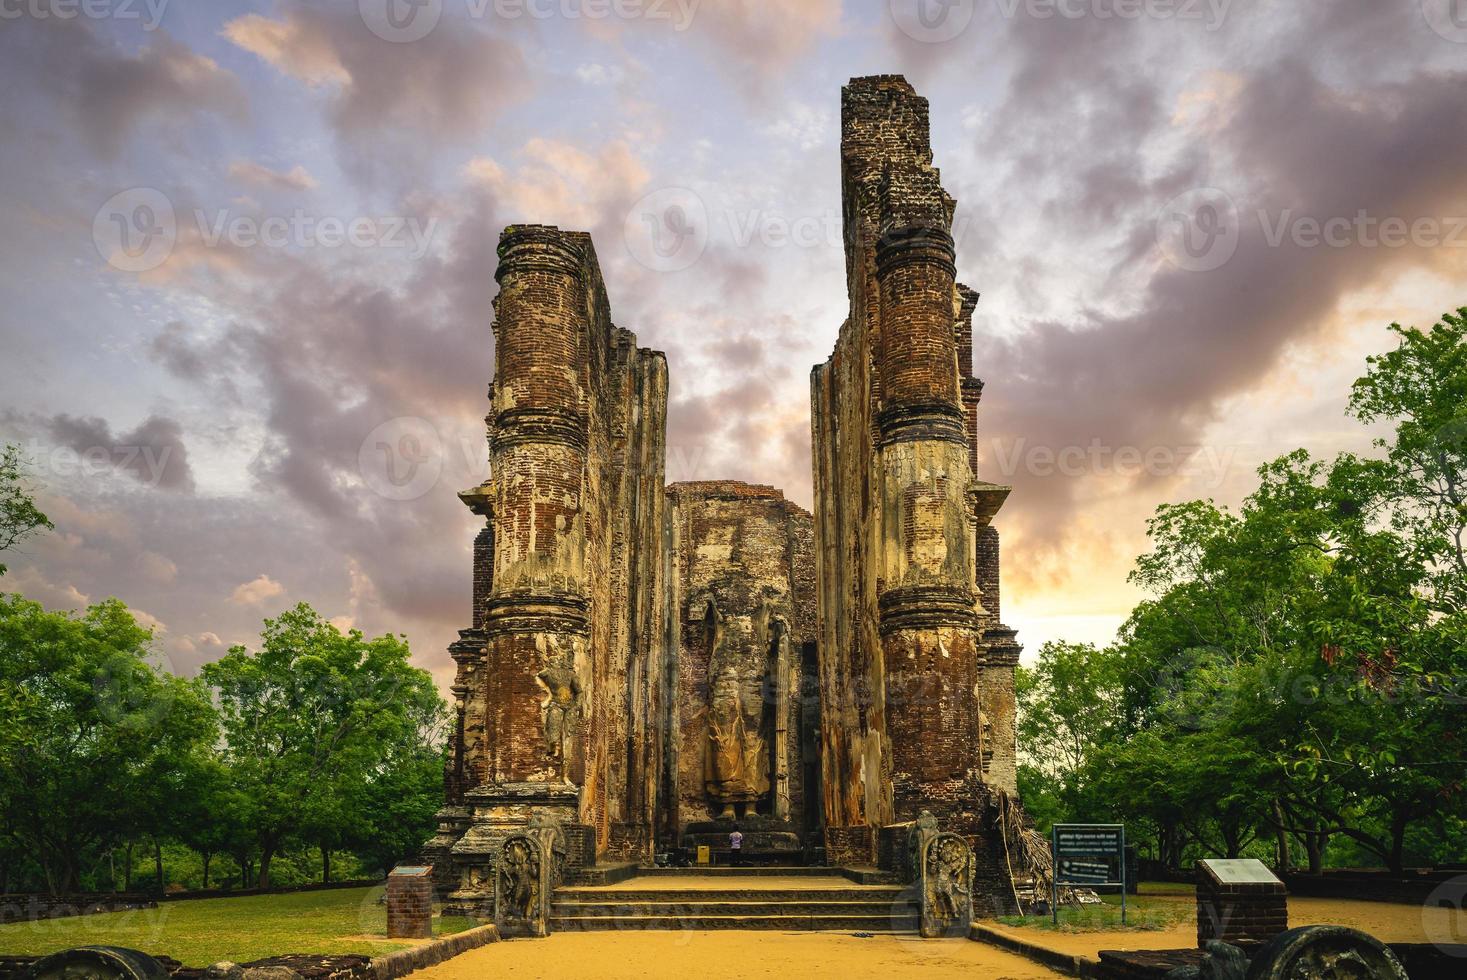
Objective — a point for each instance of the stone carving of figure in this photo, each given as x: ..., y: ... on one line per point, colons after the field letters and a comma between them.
x: 561, y: 709
x: 948, y: 880
x: 728, y: 777
x: 519, y: 881
x: 737, y: 768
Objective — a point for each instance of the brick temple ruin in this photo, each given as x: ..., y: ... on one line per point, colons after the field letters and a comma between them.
x: 649, y: 666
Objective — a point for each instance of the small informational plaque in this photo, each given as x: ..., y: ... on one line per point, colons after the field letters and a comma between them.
x: 1240, y: 871
x: 412, y: 871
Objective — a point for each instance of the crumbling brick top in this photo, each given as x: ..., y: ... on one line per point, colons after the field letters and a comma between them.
x: 725, y: 488
x: 731, y: 490
x: 881, y: 81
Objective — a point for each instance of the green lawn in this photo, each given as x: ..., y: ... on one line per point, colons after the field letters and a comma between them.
x: 207, y: 930
x: 1159, y: 906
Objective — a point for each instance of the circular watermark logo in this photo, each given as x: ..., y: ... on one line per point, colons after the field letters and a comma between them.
x: 402, y: 458
x: 932, y: 21
x: 400, y: 21
x: 1444, y: 916
x: 667, y: 230
x: 136, y: 229
x: 1199, y: 230
x: 1448, y: 18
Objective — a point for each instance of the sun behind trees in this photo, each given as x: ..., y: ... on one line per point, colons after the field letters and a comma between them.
x: 320, y: 741
x: 1294, y: 687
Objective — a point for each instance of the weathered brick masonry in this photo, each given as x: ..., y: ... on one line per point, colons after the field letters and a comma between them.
x: 917, y: 669
x: 647, y: 664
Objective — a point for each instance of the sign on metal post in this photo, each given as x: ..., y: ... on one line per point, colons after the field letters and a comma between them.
x: 1091, y: 855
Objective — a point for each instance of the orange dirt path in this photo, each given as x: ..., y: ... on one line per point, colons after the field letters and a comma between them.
x: 715, y: 955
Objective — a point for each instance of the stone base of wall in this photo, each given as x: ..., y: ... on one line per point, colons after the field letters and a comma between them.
x: 993, y: 886
x: 628, y: 842
x: 580, y: 845
x: 893, y: 852
x: 850, y: 845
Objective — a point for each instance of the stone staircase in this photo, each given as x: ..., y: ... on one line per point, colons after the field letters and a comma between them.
x: 799, y: 899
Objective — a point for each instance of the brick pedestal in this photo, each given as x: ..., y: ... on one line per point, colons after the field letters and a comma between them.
x: 1239, y: 901
x: 410, y: 903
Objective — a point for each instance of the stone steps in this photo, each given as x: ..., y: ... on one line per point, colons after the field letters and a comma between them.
x: 734, y: 907
x: 686, y: 896
x: 838, y: 905
x: 786, y: 923
x: 721, y: 871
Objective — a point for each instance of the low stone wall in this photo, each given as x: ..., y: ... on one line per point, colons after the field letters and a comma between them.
x: 314, y: 886
x: 403, y: 962
x: 1067, y: 963
x: 1412, y: 888
x: 34, y: 907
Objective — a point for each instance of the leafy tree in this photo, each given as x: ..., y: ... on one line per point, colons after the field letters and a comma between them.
x: 19, y: 515
x: 1295, y: 674
x: 398, y: 807
x: 1069, y: 703
x: 1421, y: 387
x: 92, y: 733
x: 310, y: 719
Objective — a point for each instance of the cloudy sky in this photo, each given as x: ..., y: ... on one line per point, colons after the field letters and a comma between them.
x: 249, y: 252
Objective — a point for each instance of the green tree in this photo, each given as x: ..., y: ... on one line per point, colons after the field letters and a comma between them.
x: 1421, y: 388
x: 90, y: 733
x: 310, y: 719
x: 1295, y: 673
x: 1069, y: 709
x: 19, y: 515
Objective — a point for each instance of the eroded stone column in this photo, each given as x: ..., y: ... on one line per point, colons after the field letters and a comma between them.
x: 536, y: 618
x: 928, y: 605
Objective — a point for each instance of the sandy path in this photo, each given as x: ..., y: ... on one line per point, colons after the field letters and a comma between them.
x: 713, y: 955
x: 1385, y: 921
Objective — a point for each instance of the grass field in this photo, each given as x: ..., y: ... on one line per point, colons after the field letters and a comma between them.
x: 207, y: 930
x: 1160, y: 905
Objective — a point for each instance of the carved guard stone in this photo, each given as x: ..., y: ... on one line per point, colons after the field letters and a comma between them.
x: 943, y: 869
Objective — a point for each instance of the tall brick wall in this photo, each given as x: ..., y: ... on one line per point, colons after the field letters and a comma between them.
x: 568, y: 573
x: 919, y: 703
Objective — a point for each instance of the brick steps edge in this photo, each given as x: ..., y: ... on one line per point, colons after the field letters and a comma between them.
x: 1072, y: 964
x: 405, y: 961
